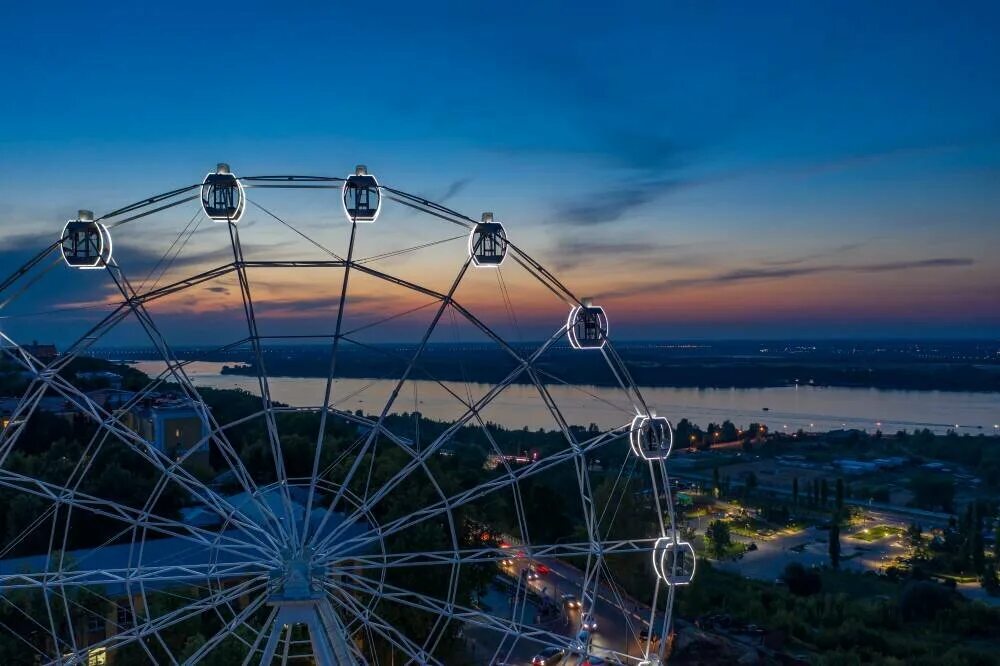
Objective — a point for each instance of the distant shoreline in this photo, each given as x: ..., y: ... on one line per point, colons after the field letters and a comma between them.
x: 740, y: 377
x: 951, y: 367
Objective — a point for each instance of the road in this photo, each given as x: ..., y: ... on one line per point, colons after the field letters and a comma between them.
x: 617, y: 632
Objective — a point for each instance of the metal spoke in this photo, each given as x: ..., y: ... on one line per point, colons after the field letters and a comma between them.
x: 392, y: 398
x: 384, y: 629
x: 176, y: 370
x: 153, y: 627
x: 227, y: 630
x: 264, y: 385
x: 456, y: 501
x: 494, y: 554
x: 331, y: 373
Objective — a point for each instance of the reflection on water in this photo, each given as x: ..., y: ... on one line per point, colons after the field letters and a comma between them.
x: 806, y: 407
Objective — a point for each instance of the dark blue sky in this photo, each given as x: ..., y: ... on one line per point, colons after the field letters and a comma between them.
x: 806, y: 167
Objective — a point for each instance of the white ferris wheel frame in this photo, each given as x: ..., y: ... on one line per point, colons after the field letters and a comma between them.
x: 245, y: 555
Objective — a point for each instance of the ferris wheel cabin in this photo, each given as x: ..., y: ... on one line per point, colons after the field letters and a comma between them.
x: 86, y: 243
x: 587, y: 326
x: 651, y: 437
x: 222, y: 195
x: 673, y: 561
x: 362, y: 200
x: 488, y: 243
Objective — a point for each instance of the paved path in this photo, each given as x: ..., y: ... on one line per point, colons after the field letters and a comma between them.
x: 619, y: 619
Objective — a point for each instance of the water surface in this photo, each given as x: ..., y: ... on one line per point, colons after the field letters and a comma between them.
x: 791, y: 408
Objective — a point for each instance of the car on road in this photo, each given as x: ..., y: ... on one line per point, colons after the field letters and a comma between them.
x: 531, y: 575
x: 597, y: 661
x: 541, y: 568
x: 570, y: 601
x: 548, y: 656
x: 589, y: 623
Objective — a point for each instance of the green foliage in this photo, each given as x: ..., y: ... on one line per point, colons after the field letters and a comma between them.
x: 719, y: 538
x: 834, y: 543
x: 977, y: 452
x: 837, y: 627
x: 922, y: 600
x: 801, y: 581
x: 933, y: 491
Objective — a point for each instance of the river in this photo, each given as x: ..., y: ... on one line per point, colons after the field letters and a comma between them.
x: 811, y: 408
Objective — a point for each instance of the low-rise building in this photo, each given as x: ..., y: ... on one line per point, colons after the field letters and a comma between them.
x: 172, y: 426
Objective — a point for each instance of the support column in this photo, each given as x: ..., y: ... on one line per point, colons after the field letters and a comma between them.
x: 326, y: 632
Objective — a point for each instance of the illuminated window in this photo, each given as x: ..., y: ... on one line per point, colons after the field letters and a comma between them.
x: 97, y: 657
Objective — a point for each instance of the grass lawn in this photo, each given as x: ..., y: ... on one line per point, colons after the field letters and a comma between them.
x: 877, y: 532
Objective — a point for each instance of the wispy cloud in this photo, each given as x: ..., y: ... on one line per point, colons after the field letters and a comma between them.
x: 453, y: 190
x: 813, y: 256
x: 615, y: 203
x: 919, y: 263
x: 783, y: 272
x: 641, y: 150
x: 297, y: 307
x: 569, y: 254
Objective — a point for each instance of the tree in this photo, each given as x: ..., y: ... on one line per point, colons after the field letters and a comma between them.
x: 719, y: 537
x: 795, y: 491
x: 684, y: 433
x: 716, y: 485
x: 976, y: 540
x: 915, y: 538
x: 801, y: 582
x: 840, y: 497
x: 989, y: 579
x: 922, y: 600
x: 835, y: 542
x: 751, y: 483
x: 824, y: 493
x: 933, y: 491
x: 996, y: 542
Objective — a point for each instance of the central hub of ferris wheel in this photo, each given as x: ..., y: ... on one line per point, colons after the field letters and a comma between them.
x: 300, y: 603
x: 298, y: 578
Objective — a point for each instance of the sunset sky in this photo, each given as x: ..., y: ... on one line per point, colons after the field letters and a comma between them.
x: 701, y: 169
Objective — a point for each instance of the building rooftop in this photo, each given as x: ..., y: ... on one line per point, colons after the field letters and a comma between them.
x: 175, y: 551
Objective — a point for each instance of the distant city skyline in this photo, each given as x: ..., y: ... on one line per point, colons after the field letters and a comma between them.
x: 827, y: 170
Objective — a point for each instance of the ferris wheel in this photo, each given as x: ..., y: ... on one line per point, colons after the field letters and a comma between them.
x: 396, y: 513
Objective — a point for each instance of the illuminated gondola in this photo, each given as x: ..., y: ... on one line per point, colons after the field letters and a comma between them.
x: 587, y: 326
x: 86, y: 243
x: 222, y: 195
x: 362, y: 200
x: 488, y: 243
x: 673, y: 561
x: 651, y: 437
